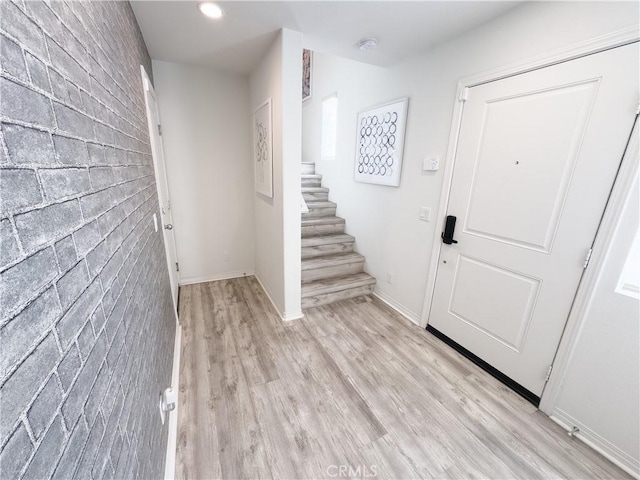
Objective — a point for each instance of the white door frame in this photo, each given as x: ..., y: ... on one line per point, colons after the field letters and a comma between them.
x: 598, y: 44
x: 172, y: 439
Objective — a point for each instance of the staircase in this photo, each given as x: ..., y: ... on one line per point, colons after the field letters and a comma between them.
x: 331, y: 270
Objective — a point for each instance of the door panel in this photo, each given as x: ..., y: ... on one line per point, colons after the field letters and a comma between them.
x: 521, y: 167
x: 537, y: 155
x: 165, y: 220
x: 478, y: 287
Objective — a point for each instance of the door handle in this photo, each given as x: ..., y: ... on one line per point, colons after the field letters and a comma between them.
x: 168, y: 226
x: 449, y: 227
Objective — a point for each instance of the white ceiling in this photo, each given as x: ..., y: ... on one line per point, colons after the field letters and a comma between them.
x: 175, y: 31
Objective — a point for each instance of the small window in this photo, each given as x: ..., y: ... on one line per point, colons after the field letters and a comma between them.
x: 329, y: 127
x: 629, y: 282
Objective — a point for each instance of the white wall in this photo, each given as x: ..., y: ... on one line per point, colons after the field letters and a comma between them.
x: 277, y: 219
x: 206, y: 137
x: 291, y: 155
x: 385, y: 219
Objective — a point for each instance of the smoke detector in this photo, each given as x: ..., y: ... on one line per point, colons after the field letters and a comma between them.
x: 367, y: 44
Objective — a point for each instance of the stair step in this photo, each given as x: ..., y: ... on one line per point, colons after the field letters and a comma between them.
x: 336, y: 283
x: 308, y: 167
x: 326, y: 240
x: 331, y: 260
x: 322, y: 204
x: 322, y: 292
x: 315, y: 194
x: 316, y: 197
x: 322, y: 226
x: 327, y: 249
x: 332, y: 297
x: 326, y: 245
x: 330, y: 266
x: 321, y: 221
x: 315, y: 190
x: 320, y: 209
x: 311, y: 180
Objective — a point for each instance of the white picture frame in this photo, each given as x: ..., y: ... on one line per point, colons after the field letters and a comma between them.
x: 263, y: 149
x: 307, y: 74
x: 380, y: 143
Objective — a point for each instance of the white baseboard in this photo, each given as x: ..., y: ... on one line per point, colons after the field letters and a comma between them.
x: 270, y: 297
x: 401, y: 309
x: 284, y: 316
x: 287, y: 317
x: 172, y: 440
x: 598, y: 443
x: 215, y: 277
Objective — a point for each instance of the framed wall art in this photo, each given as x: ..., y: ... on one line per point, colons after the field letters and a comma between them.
x: 263, y: 149
x: 307, y: 65
x: 379, y: 143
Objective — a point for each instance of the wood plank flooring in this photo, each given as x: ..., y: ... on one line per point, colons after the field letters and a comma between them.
x: 353, y: 390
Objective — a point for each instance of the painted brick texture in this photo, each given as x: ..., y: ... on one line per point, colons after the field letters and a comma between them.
x: 86, y: 318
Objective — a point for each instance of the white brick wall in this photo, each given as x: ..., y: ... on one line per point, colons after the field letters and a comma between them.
x: 85, y: 309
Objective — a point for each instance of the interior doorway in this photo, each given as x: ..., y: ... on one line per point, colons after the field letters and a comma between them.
x: 166, y: 220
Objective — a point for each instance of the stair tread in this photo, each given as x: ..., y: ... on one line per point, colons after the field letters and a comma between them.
x: 321, y: 221
x: 331, y: 260
x: 327, y: 239
x: 317, y: 287
x: 308, y: 163
x: 306, y: 176
x: 321, y: 204
x: 315, y: 190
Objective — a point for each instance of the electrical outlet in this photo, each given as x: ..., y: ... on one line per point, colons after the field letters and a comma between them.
x: 225, y: 256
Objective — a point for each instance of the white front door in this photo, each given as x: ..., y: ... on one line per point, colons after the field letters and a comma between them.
x: 166, y: 221
x: 537, y: 155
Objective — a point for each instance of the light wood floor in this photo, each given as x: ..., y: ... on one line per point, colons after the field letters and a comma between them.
x: 351, y: 391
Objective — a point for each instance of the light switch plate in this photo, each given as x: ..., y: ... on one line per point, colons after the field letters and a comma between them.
x: 425, y: 214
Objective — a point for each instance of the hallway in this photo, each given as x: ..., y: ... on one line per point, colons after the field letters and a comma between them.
x: 352, y: 390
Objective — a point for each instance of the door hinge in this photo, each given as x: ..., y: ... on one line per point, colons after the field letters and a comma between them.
x: 464, y: 94
x: 548, y: 373
x: 177, y: 267
x: 159, y: 130
x: 587, y: 258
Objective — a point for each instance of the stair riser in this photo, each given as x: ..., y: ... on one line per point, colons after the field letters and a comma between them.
x: 326, y: 298
x: 316, y: 197
x: 327, y: 240
x: 332, y: 271
x: 320, y: 212
x: 308, y: 168
x: 320, y: 250
x: 312, y: 230
x: 310, y: 182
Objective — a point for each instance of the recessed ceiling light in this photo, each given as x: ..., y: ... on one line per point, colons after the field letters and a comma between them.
x: 210, y: 9
x: 368, y: 43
